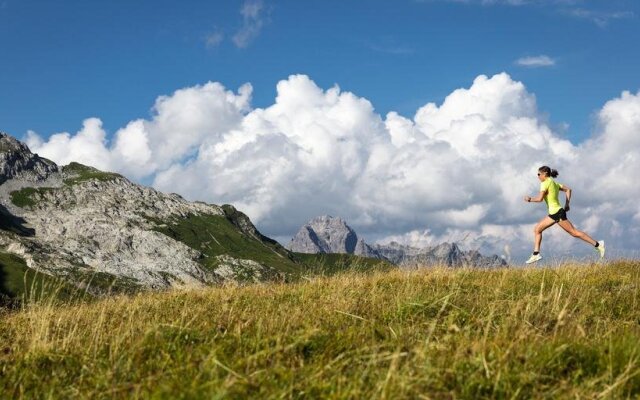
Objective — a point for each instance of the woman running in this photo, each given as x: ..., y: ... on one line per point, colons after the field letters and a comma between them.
x: 549, y: 190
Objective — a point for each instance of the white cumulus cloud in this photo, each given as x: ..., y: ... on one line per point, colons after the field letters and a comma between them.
x: 453, y: 171
x: 181, y: 122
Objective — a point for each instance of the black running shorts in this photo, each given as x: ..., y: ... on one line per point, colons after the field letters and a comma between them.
x: 561, y: 215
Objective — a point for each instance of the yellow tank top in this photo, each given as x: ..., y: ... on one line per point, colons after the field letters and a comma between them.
x: 552, y: 188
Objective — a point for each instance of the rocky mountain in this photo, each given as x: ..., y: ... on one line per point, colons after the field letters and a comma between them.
x: 97, y: 228
x: 327, y: 234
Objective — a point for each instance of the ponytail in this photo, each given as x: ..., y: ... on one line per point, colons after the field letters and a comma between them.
x: 548, y: 171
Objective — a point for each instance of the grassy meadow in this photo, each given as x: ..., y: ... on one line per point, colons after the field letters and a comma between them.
x: 571, y: 331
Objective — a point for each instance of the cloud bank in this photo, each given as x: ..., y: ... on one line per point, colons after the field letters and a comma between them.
x: 453, y: 171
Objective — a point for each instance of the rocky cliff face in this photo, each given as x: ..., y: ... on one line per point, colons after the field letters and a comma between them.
x: 328, y: 234
x: 324, y: 234
x: 77, y: 222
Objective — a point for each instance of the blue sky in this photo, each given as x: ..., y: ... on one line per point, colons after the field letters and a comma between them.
x: 65, y: 61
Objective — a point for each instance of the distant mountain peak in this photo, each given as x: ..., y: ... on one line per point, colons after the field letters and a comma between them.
x: 328, y: 234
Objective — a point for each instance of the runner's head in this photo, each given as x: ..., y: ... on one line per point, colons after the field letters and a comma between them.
x: 544, y: 172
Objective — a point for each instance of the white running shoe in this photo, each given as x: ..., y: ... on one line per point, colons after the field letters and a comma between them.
x: 600, y: 249
x: 534, y: 258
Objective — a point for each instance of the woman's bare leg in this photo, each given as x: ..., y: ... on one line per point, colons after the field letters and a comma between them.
x: 539, y: 228
x: 568, y: 226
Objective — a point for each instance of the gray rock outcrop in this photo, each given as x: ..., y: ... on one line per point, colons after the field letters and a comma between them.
x: 106, y: 226
x: 17, y: 161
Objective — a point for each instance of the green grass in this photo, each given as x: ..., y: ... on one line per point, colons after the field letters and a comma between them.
x: 330, y: 264
x: 101, y: 283
x: 12, y: 277
x: 566, y: 332
x: 19, y: 283
x: 84, y: 173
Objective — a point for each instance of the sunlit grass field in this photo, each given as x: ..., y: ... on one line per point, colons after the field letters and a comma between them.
x: 571, y: 331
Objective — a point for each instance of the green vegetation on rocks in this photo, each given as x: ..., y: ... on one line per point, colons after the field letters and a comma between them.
x: 82, y: 173
x: 28, y: 196
x: 567, y: 332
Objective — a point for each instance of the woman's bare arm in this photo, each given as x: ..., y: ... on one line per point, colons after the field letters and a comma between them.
x: 567, y: 192
x: 537, y: 199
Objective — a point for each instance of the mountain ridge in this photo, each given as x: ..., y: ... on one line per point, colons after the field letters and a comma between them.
x: 327, y: 234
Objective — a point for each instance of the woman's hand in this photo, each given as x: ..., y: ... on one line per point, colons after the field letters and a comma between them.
x: 527, y: 199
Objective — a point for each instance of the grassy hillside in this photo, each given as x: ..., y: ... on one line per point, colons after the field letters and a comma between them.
x: 234, y: 235
x: 566, y: 332
x: 214, y: 235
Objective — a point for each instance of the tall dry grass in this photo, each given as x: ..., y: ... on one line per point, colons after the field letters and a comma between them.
x: 571, y: 331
